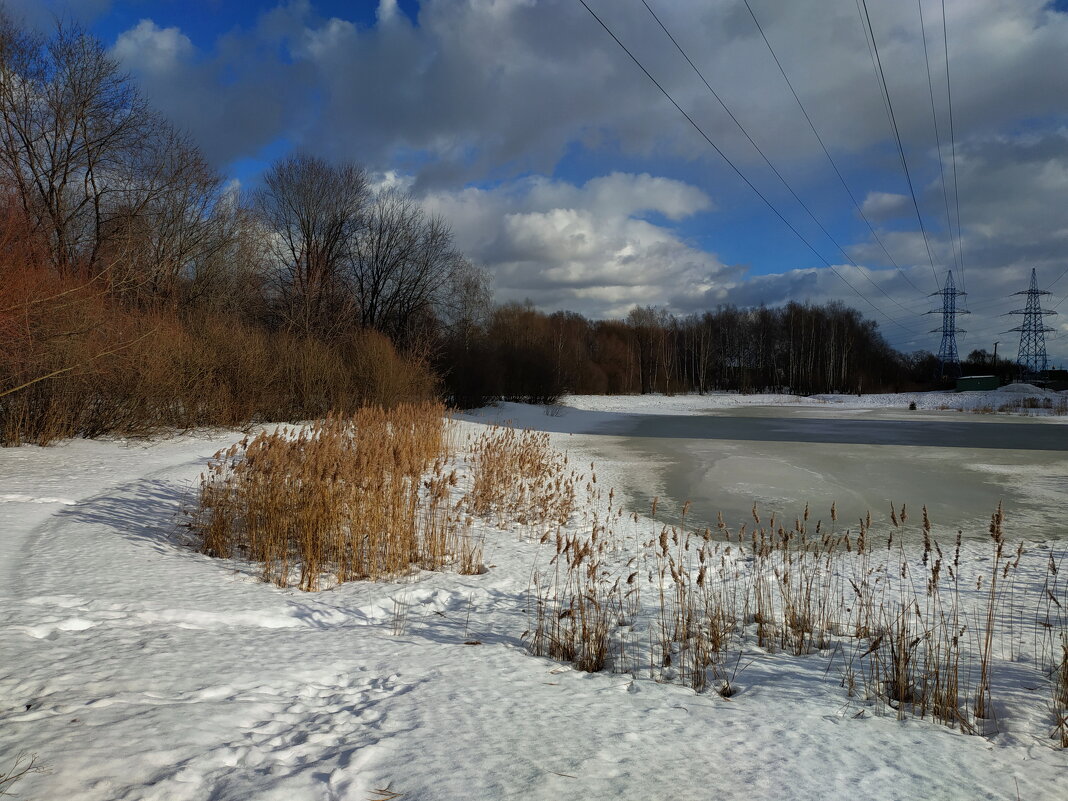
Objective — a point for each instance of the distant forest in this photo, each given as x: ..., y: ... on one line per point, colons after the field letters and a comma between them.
x: 141, y: 291
x: 523, y: 354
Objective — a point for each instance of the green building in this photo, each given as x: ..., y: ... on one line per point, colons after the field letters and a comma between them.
x: 977, y: 383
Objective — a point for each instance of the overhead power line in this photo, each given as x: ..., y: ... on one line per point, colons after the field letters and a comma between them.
x: 1064, y: 272
x: 1001, y: 303
x: 767, y: 161
x: 826, y: 151
x: 735, y: 168
x: 881, y: 74
x: 952, y: 144
x: 938, y: 139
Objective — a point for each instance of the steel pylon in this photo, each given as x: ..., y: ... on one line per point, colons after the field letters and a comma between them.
x: 948, y: 359
x: 1032, y: 355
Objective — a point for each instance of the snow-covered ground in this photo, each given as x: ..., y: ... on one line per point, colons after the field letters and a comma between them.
x: 1009, y: 399
x: 137, y: 668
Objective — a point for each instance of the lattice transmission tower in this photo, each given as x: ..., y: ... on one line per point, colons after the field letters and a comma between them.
x: 948, y: 360
x: 1032, y: 355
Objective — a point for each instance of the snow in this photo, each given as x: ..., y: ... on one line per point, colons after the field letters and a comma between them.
x: 137, y: 668
x: 1002, y: 400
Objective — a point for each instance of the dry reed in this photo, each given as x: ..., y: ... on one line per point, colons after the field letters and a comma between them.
x: 518, y: 477
x: 344, y: 496
x: 913, y: 636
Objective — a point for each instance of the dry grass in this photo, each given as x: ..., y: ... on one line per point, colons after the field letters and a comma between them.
x: 583, y: 601
x: 1051, y: 642
x: 1060, y: 695
x: 344, y: 497
x: 518, y: 477
x: 1049, y: 405
x: 577, y: 603
x: 911, y: 634
x: 22, y: 766
x: 374, y: 495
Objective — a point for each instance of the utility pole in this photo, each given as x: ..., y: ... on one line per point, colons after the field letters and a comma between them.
x: 994, y: 363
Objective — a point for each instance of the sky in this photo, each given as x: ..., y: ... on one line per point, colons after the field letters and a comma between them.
x: 578, y: 184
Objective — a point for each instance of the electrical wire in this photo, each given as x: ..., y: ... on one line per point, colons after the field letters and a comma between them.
x: 767, y: 161
x: 938, y: 142
x: 1064, y: 272
x: 826, y: 151
x: 897, y: 137
x: 738, y: 171
x: 953, y: 145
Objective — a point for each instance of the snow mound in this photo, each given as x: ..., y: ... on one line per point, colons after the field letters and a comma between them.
x: 1023, y: 389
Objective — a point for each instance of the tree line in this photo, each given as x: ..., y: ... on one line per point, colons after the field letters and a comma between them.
x: 140, y: 289
x: 520, y: 353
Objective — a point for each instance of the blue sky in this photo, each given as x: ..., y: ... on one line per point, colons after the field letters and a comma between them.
x: 570, y: 177
x: 204, y: 21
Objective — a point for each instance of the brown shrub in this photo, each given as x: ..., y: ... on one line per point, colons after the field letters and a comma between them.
x: 74, y: 363
x: 343, y: 496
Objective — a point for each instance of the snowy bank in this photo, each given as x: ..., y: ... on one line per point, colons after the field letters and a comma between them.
x: 1012, y: 398
x: 139, y: 669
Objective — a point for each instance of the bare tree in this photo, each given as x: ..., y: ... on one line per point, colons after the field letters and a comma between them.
x: 76, y: 139
x: 174, y: 226
x: 405, y: 267
x: 229, y: 276
x: 467, y: 302
x: 649, y: 326
x: 312, y: 211
x: 383, y: 251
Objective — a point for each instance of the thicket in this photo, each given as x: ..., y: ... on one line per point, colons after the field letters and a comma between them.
x: 138, y: 292
x: 75, y: 360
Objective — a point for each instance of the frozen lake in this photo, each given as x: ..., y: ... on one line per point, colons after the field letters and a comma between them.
x: 783, y: 458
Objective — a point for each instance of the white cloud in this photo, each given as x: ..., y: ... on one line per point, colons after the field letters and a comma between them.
x: 149, y: 48
x: 234, y: 100
x: 491, y: 86
x: 497, y: 89
x: 881, y: 206
x: 584, y: 248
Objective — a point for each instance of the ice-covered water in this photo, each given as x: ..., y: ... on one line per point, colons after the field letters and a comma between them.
x: 782, y: 459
